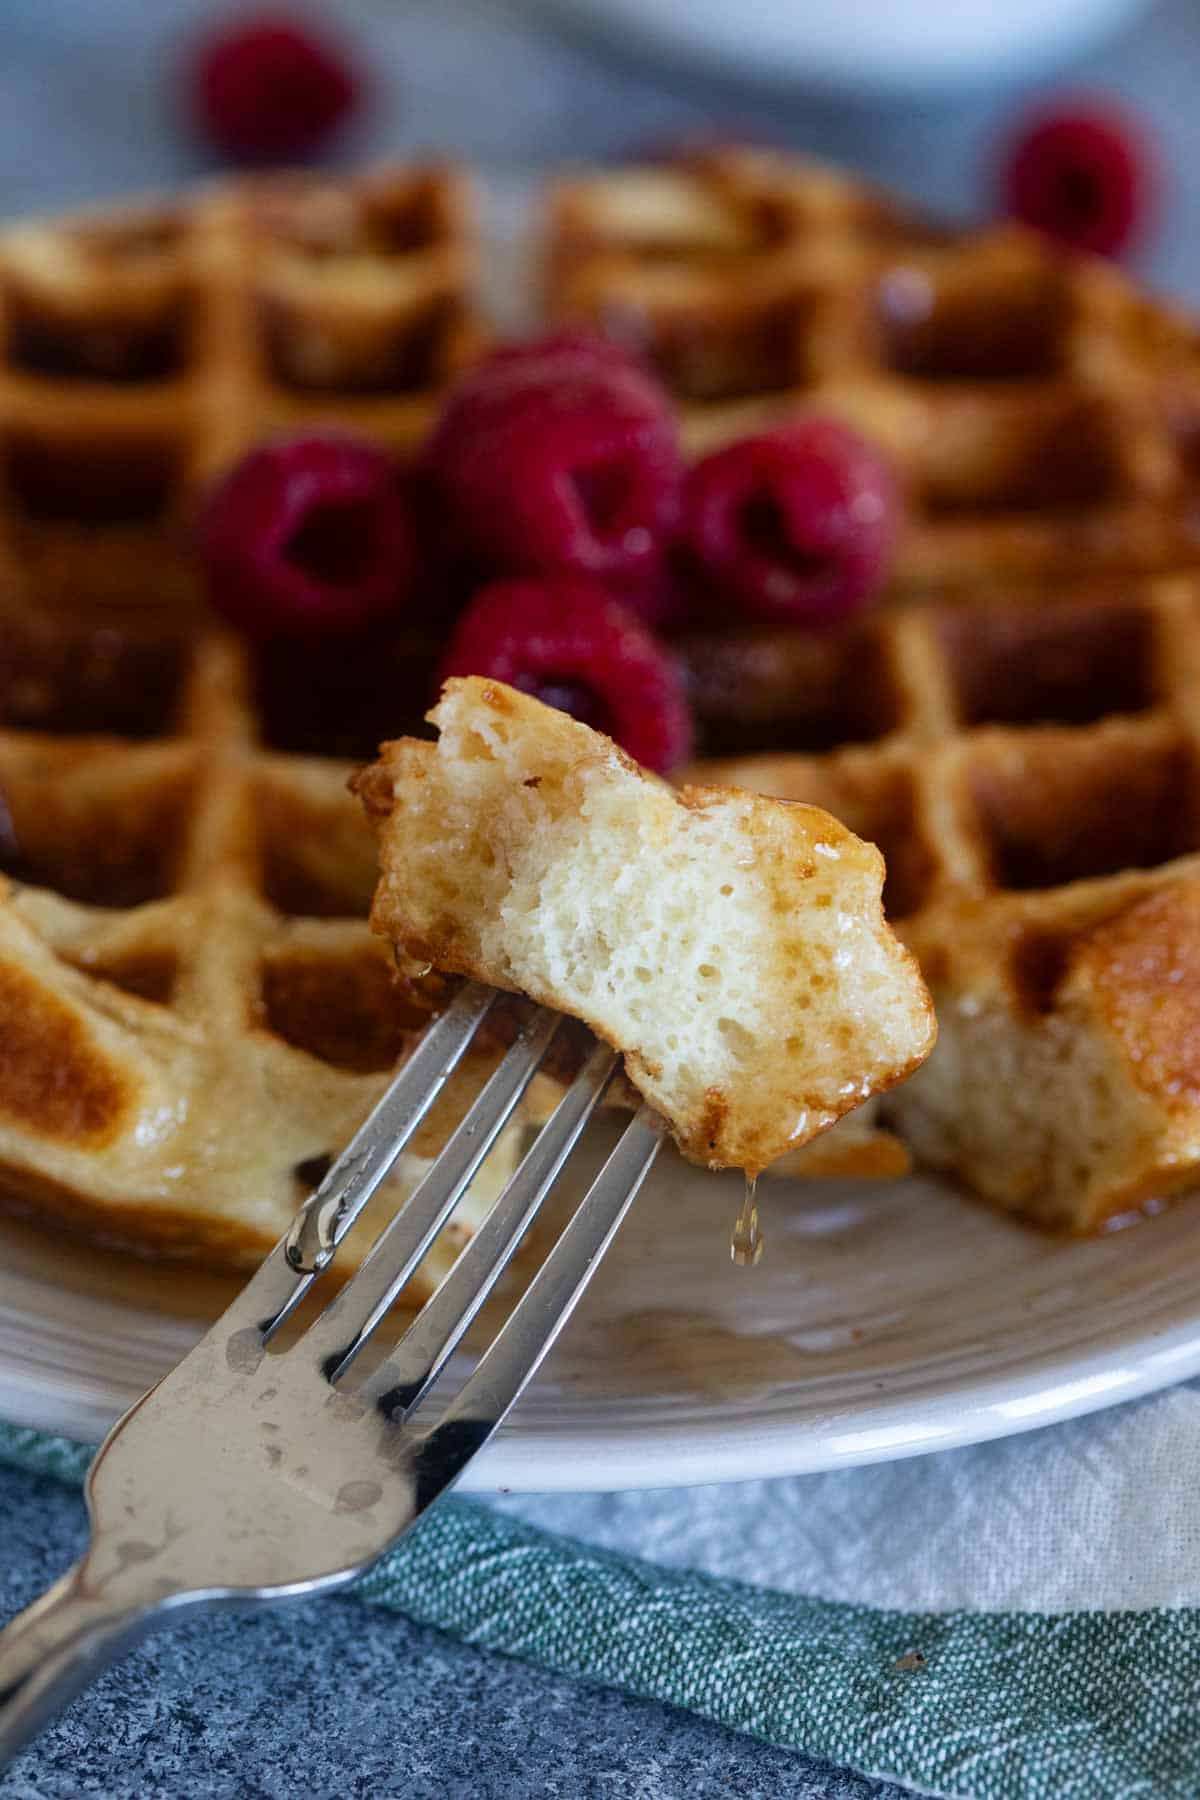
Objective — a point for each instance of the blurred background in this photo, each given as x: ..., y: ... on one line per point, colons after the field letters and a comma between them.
x: 916, y: 92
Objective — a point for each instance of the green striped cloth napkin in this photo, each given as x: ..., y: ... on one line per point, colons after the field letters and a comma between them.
x: 1010, y: 1622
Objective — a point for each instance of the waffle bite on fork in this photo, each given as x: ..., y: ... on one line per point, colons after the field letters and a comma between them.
x: 1041, y: 411
x: 733, y: 949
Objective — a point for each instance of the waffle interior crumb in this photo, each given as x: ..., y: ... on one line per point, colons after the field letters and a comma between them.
x: 733, y: 948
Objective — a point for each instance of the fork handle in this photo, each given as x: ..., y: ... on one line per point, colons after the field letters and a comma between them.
x: 53, y: 1649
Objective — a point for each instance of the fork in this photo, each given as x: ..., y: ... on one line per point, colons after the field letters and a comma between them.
x: 255, y: 1472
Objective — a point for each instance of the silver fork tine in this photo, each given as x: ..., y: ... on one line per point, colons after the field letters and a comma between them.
x: 435, y: 1333
x: 348, y: 1321
x: 518, y: 1348
x: 283, y: 1279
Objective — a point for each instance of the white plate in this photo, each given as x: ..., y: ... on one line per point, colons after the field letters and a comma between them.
x: 883, y: 1321
x: 862, y: 47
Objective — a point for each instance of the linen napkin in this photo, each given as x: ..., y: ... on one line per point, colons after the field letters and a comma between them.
x: 1010, y: 1622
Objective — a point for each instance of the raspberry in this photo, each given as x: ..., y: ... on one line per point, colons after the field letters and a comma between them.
x: 560, y: 457
x: 269, y: 88
x: 308, y: 535
x: 518, y: 375
x: 795, y: 526
x: 568, y: 643
x: 1084, y: 177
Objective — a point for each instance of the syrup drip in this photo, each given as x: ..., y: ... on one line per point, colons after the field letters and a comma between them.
x: 411, y: 970
x: 746, y: 1243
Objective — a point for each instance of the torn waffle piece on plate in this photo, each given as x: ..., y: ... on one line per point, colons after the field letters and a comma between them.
x: 733, y: 948
x: 1030, y: 768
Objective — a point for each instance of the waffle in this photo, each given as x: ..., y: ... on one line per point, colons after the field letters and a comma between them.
x: 184, y: 921
x: 143, y: 350
x: 1029, y: 769
x: 1041, y: 411
x: 194, y: 1015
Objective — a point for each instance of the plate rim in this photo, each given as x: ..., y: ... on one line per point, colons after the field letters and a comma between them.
x: 1060, y: 1385
x: 950, y: 1412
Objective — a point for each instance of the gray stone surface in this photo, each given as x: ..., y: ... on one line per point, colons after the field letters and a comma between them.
x: 339, y: 1699
x: 334, y: 1698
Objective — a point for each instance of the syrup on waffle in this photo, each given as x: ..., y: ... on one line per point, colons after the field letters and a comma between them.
x: 1041, y: 411
x: 1029, y: 769
x: 185, y: 923
x: 196, y: 1016
x: 141, y: 351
